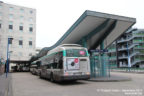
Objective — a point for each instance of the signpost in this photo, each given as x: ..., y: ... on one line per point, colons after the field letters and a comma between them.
x: 100, y: 51
x: 7, y: 61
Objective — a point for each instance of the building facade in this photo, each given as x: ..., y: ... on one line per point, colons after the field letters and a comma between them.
x: 128, y: 50
x: 19, y: 23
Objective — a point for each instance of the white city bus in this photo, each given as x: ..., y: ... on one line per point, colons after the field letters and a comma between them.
x: 35, y: 67
x: 66, y: 62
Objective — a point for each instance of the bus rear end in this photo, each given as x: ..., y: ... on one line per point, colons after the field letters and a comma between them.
x: 76, y: 64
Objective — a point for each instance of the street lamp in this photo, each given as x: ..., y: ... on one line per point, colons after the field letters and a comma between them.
x: 7, y: 61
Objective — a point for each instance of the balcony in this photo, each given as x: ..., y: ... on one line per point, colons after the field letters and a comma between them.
x: 138, y: 34
x: 138, y: 41
x: 139, y: 47
x: 125, y: 39
x: 125, y: 56
x: 112, y: 58
x: 134, y: 53
x: 123, y: 65
x: 125, y: 47
x: 135, y: 62
x: 130, y: 38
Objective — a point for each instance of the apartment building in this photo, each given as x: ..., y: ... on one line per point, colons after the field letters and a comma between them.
x: 19, y: 23
x: 128, y: 50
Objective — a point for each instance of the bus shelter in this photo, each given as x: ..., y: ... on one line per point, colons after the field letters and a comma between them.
x: 94, y: 30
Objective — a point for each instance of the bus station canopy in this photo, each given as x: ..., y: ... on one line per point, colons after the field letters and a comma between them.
x: 93, y: 28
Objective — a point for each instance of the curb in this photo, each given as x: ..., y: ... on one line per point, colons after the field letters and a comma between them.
x: 109, y: 79
x: 129, y: 72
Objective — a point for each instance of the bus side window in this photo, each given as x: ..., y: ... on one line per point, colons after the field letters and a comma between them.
x: 60, y: 55
x: 60, y: 62
x: 48, y: 66
x: 45, y: 67
x: 54, y: 65
x: 39, y: 64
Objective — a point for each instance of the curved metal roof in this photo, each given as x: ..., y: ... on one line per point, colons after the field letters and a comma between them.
x: 95, y: 27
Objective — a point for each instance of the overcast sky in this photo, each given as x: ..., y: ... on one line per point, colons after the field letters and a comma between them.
x: 55, y: 17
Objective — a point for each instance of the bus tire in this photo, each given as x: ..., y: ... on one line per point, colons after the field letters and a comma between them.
x: 40, y: 75
x: 51, y: 77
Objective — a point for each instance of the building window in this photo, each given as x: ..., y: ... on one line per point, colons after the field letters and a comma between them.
x: 11, y: 9
x: 10, y: 16
x: 11, y: 27
x: 30, y: 19
x: 21, y: 28
x: 22, y: 10
x: 31, y: 11
x: 10, y: 40
x: 20, y: 54
x: 20, y: 42
x: 30, y: 44
x: 0, y: 13
x: 10, y: 30
x: 0, y: 6
x: 21, y: 17
x: 0, y: 24
x: 30, y: 29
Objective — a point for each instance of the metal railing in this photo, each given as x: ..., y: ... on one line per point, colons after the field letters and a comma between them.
x: 135, y: 70
x: 129, y: 47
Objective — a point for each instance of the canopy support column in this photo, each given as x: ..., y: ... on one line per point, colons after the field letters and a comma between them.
x: 103, y: 68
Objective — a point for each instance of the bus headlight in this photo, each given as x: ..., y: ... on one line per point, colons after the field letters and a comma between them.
x: 87, y: 73
x: 66, y: 73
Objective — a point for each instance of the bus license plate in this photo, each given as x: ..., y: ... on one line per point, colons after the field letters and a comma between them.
x: 78, y: 73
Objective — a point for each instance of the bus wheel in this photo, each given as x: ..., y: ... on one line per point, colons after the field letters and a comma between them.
x: 40, y: 75
x: 51, y: 77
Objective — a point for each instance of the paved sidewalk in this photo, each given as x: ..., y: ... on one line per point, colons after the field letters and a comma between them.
x: 26, y: 84
x: 5, y: 85
x: 112, y: 78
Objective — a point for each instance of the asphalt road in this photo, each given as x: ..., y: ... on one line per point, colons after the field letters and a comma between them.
x: 26, y: 84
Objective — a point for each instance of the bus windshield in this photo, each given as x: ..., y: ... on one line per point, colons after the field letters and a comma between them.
x: 76, y: 53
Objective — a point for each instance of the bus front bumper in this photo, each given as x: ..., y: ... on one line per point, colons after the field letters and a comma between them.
x: 76, y: 77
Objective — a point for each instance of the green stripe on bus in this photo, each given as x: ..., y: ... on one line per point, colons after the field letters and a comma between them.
x: 64, y: 53
x: 87, y: 53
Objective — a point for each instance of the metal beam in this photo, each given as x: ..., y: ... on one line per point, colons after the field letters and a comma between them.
x: 83, y: 40
x: 109, y: 30
x: 98, y: 29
